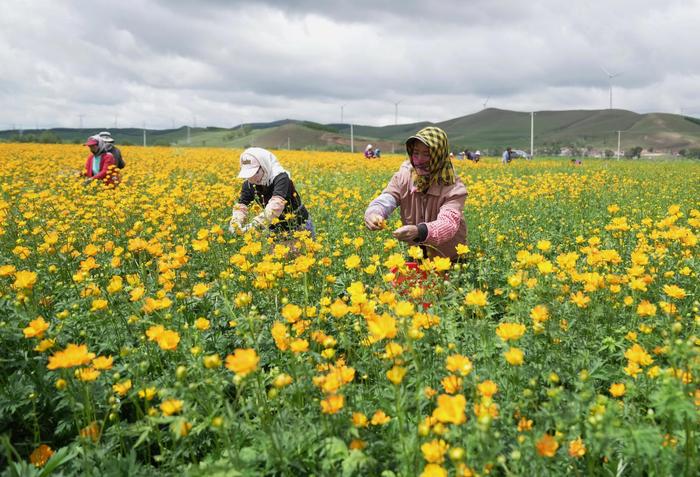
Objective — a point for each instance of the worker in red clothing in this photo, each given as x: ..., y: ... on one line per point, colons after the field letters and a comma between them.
x: 100, y: 165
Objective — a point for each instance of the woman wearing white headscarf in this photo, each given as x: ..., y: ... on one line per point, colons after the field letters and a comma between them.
x: 269, y: 184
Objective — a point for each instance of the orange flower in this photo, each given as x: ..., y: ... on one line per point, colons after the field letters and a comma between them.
x: 332, y: 404
x: 242, y: 361
x: 379, y: 418
x: 617, y: 389
x: 547, y: 446
x: 577, y: 448
x: 73, y: 355
x: 451, y: 384
x: 41, y: 455
x: 36, y: 328
x: 458, y: 363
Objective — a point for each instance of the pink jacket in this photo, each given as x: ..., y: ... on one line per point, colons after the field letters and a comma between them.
x: 440, y: 209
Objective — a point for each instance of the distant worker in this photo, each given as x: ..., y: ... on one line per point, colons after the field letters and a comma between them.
x: 100, y: 164
x: 369, y: 151
x: 508, y: 156
x: 472, y: 156
x: 112, y: 149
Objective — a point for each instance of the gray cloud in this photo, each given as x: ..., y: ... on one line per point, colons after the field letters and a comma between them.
x: 229, y: 62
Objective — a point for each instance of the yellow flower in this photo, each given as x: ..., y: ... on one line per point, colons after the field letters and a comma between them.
x: 450, y: 409
x: 332, y: 404
x: 24, y: 280
x: 392, y: 350
x: 514, y: 356
x: 137, y: 293
x: 115, y: 284
x: 44, y: 345
x: 451, y: 384
x: 103, y: 362
x: 40, y: 455
x: 211, y: 361
x: 675, y: 291
x: 122, y: 387
x: 99, y: 305
x: 487, y: 388
x: 36, y: 328
x: 339, y: 308
x: 404, y: 309
x: 510, y: 331
x: 242, y: 361
x: 476, y: 298
x: 171, y: 406
x: 434, y: 470
x: 617, y: 389
x: 462, y: 249
x: 539, y: 314
x: 396, y: 374
x: 168, y: 340
x: 381, y: 327
x: 359, y: 419
x: 547, y: 446
x: 544, y: 245
x: 434, y: 451
x: 646, y: 309
x: 87, y: 374
x: 379, y: 418
x: 353, y: 261
x: 148, y: 393
x: 199, y: 290
x: 299, y: 345
x: 73, y: 355
x: 282, y: 380
x: 458, y: 363
x: 202, y: 324
x: 577, y: 448
x: 291, y: 313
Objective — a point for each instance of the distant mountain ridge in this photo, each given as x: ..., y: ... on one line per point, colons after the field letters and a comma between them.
x: 489, y: 130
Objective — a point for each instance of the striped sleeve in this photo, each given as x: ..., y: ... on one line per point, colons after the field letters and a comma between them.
x: 444, y: 227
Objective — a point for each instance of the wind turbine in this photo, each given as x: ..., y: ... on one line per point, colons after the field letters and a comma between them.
x: 610, y: 77
x: 486, y: 101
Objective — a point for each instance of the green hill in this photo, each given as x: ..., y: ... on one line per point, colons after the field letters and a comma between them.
x: 490, y: 129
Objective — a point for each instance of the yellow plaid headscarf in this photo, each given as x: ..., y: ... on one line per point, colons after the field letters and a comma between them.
x: 440, y: 166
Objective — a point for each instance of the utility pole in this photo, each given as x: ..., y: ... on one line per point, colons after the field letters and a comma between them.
x: 289, y: 143
x: 396, y: 113
x: 618, y: 145
x: 188, y: 134
x: 532, y: 134
x: 352, y: 139
x: 144, y: 134
x: 342, y: 106
x: 81, y: 116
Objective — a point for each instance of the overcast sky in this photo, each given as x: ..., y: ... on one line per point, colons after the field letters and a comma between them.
x: 222, y: 63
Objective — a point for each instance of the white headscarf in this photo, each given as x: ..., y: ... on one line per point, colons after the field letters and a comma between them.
x: 268, y: 162
x: 101, y: 144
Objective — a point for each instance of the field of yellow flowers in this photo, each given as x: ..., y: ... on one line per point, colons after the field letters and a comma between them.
x: 139, y: 336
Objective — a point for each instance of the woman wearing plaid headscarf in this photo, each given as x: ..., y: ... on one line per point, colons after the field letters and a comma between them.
x: 429, y: 194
